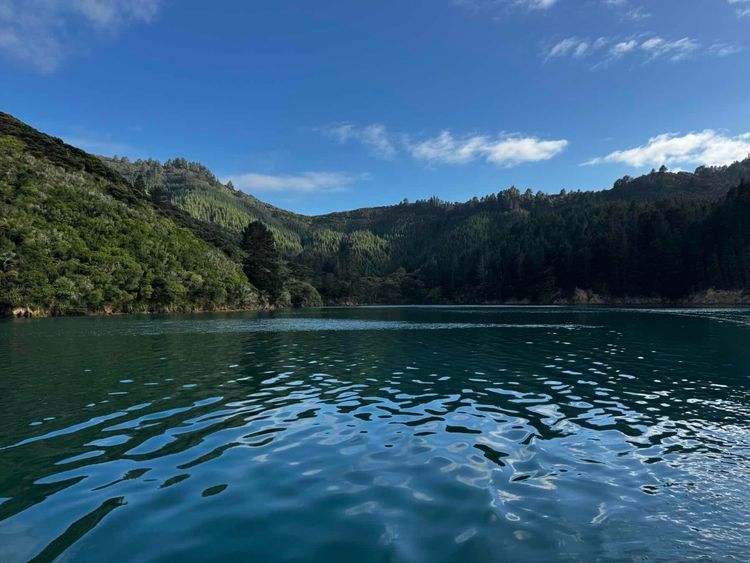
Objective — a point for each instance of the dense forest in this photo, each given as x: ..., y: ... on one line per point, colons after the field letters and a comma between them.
x: 80, y: 233
x: 76, y: 238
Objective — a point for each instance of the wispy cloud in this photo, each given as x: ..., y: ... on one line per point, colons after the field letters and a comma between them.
x: 628, y: 11
x: 657, y: 47
x: 637, y: 14
x: 725, y: 49
x: 576, y: 47
x: 536, y: 4
x: 374, y: 136
x: 42, y: 33
x: 446, y: 148
x: 505, y: 5
x: 742, y: 7
x: 605, y: 50
x: 708, y: 147
x: 305, y: 182
x: 504, y: 150
x: 622, y: 48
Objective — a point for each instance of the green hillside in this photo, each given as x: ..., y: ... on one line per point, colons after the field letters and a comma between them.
x: 707, y: 182
x: 658, y: 242
x: 76, y: 237
x: 191, y: 187
x: 80, y: 233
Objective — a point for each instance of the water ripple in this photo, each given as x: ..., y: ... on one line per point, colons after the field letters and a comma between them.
x: 611, y: 435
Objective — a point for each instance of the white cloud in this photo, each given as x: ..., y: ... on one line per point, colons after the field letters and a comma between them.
x: 707, y: 147
x: 537, y: 4
x: 623, y: 48
x: 636, y: 13
x: 305, y: 182
x: 577, y: 48
x: 41, y: 32
x: 724, y: 49
x: 678, y: 50
x: 374, y: 136
x: 572, y: 46
x: 113, y: 13
x: 605, y: 50
x: 742, y: 7
x: 530, y: 5
x: 504, y: 150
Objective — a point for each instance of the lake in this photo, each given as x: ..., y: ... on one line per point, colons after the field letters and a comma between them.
x: 422, y: 434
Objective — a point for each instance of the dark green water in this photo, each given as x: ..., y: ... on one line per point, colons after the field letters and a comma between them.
x: 377, y: 434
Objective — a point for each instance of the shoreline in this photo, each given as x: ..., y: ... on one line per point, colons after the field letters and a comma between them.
x: 710, y: 298
x: 32, y: 313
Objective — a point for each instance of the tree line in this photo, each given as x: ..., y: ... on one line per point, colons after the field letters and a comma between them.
x: 82, y: 234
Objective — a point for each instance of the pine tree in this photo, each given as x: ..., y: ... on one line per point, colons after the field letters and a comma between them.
x: 261, y: 264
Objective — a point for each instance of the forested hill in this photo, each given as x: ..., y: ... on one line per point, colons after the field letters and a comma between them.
x: 654, y: 237
x: 80, y: 233
x: 193, y: 188
x: 75, y: 237
x: 537, y: 248
x: 707, y: 182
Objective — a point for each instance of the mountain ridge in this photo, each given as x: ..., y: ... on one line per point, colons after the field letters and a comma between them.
x: 662, y: 237
x: 704, y: 182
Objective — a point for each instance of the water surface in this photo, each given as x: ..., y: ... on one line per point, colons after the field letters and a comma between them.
x: 377, y: 434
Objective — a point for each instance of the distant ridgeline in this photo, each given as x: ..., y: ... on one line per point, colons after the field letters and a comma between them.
x: 83, y: 234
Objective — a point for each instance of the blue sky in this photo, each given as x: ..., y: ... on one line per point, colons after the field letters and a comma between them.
x: 322, y: 105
